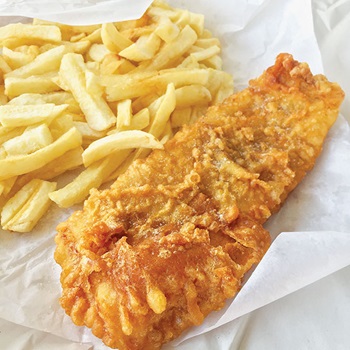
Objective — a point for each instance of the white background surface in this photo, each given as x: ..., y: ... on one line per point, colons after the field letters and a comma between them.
x: 314, y: 317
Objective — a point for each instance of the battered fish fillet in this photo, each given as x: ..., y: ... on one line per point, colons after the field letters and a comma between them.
x: 172, y: 238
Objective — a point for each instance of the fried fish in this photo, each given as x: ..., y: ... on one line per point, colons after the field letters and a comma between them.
x: 173, y: 237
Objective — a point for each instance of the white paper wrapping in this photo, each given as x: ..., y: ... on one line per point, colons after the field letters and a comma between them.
x: 79, y: 12
x: 312, y: 229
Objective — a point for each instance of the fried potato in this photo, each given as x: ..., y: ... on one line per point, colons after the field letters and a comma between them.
x: 39, y: 84
x: 171, y: 51
x: 135, y: 84
x: 124, y: 113
x: 190, y: 95
x: 121, y: 140
x: 17, y: 165
x: 113, y: 40
x: 92, y: 177
x: 30, y: 141
x: 97, y: 112
x: 4, y: 67
x: 94, y: 98
x: 44, y: 63
x: 27, y: 33
x: 143, y: 49
x: 22, y: 115
x: 70, y: 160
x: 27, y: 206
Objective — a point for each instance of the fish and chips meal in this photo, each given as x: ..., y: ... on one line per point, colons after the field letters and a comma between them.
x: 198, y: 169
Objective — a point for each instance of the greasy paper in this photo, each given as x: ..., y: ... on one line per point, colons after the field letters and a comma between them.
x: 309, y: 245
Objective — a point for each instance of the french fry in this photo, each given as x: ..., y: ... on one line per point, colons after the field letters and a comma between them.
x: 172, y: 50
x: 94, y: 37
x: 4, y: 67
x: 122, y: 167
x: 97, y: 112
x: 135, y: 85
x: 40, y: 84
x: 167, y: 30
x: 30, y: 141
x: 16, y: 59
x: 163, y: 112
x: 22, y: 115
x: 13, y: 166
x: 124, y: 113
x: 113, y: 39
x: 29, y: 33
x: 98, y: 52
x: 190, y: 95
x: 57, y: 98
x: 70, y: 160
x: 27, y: 99
x: 22, y: 212
x: 44, y: 63
x: 7, y: 133
x: 214, y: 62
x: 180, y: 117
x: 143, y: 49
x: 92, y: 177
x: 204, y: 54
x: 61, y: 125
x: 122, y: 140
x: 110, y: 64
x: 140, y: 120
x: 87, y: 132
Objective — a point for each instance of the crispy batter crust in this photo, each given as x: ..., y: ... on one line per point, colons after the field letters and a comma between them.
x: 172, y: 238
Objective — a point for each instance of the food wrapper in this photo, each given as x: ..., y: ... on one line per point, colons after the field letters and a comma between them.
x: 304, y: 275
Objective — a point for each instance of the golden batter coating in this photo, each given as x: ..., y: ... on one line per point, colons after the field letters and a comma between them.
x: 172, y: 238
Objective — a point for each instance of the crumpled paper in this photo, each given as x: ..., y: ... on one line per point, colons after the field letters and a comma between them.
x: 312, y: 229
x: 76, y: 12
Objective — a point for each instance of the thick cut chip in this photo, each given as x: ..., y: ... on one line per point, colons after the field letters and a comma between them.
x: 17, y: 115
x: 30, y: 141
x: 172, y: 50
x: 144, y: 49
x: 68, y: 161
x: 113, y: 39
x: 22, y: 164
x: 132, y: 86
x: 190, y: 95
x: 124, y: 113
x: 38, y: 84
x: 167, y: 30
x: 46, y: 62
x: 163, y: 111
x: 92, y: 177
x: 97, y: 112
x: 28, y: 33
x: 121, y: 140
x: 22, y: 212
x: 4, y: 67
x: 17, y: 59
